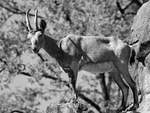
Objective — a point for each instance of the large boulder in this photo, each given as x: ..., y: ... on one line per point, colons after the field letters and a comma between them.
x: 141, y: 24
x: 141, y: 31
x: 68, y: 107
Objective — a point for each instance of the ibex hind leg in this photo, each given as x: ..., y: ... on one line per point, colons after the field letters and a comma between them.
x: 124, y: 88
x: 101, y: 77
x: 72, y: 81
x: 123, y: 68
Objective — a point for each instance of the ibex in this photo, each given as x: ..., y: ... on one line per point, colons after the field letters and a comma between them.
x: 95, y: 54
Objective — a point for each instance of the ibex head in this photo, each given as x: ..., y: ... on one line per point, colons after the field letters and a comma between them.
x: 36, y: 35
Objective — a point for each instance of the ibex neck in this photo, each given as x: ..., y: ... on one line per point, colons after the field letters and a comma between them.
x: 51, y: 47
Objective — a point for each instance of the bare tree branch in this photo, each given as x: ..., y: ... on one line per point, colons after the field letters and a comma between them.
x: 2, y: 69
x: 128, y: 5
x: 137, y: 2
x: 17, y: 11
x: 119, y: 7
x: 25, y: 73
x: 3, y: 61
x: 41, y: 57
x: 46, y: 76
x: 90, y: 102
x: 57, y: 79
x: 122, y: 10
x: 17, y: 111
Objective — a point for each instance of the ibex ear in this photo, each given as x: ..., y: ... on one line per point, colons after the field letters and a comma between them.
x: 42, y: 25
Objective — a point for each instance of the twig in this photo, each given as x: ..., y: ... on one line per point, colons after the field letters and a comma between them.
x: 17, y: 11
x: 128, y: 4
x: 25, y: 73
x: 41, y: 57
x: 46, y: 76
x: 90, y: 102
x: 56, y: 79
x: 17, y: 111
x: 137, y: 2
x: 2, y: 69
x: 2, y: 60
x: 122, y: 10
x: 119, y: 7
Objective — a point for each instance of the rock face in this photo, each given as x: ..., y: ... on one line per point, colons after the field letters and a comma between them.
x: 141, y: 24
x: 68, y: 107
x: 144, y: 84
x: 141, y: 31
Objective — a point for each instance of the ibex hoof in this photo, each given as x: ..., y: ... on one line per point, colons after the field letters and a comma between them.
x: 82, y: 107
x: 120, y: 109
x: 134, y: 107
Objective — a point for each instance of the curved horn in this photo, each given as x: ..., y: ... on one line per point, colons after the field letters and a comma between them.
x: 27, y: 20
x: 35, y: 20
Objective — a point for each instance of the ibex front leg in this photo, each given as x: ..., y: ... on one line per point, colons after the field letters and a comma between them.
x: 72, y: 80
x: 73, y: 73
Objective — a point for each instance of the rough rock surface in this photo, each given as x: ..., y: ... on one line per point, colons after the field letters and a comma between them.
x: 141, y: 31
x: 141, y: 24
